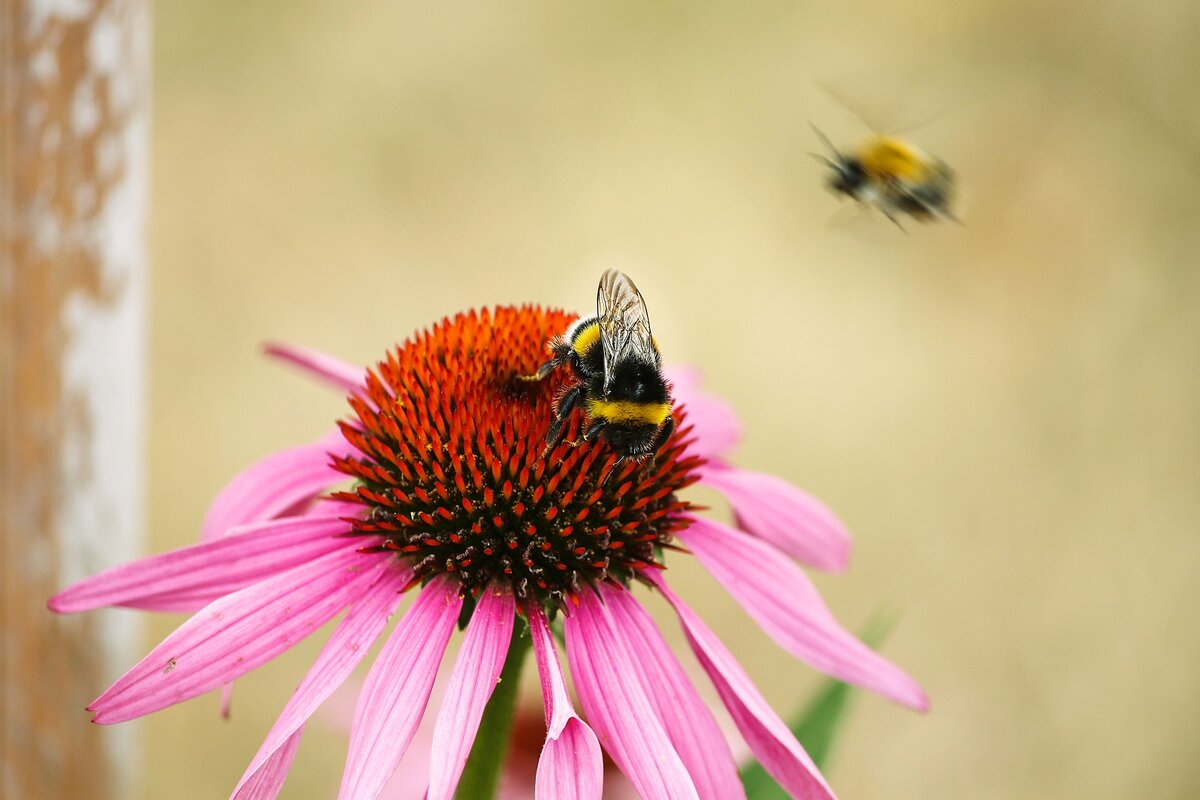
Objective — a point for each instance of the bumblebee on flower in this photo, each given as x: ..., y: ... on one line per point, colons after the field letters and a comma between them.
x: 618, y: 369
x: 458, y: 499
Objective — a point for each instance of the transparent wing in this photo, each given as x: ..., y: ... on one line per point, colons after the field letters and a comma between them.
x: 624, y: 322
x: 898, y: 99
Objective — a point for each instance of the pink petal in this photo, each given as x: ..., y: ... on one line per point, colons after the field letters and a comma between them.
x: 191, y: 577
x: 610, y: 688
x: 325, y: 368
x: 396, y: 691
x: 475, y: 675
x: 349, y: 642
x: 268, y: 780
x: 173, y: 602
x: 716, y: 427
x: 571, y: 766
x: 768, y: 737
x: 781, y: 599
x: 278, y: 483
x: 237, y: 633
x: 555, y: 701
x: 688, y: 722
x: 772, y: 509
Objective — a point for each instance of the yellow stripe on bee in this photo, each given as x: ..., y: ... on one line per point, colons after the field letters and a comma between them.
x: 885, y: 157
x: 586, y: 338
x: 628, y: 411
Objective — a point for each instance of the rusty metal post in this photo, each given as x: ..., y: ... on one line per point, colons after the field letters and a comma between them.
x: 73, y: 161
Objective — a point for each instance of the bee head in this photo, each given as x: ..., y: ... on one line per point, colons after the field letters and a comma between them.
x: 848, y: 176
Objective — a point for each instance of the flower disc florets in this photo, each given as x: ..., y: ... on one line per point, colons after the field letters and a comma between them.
x: 450, y: 465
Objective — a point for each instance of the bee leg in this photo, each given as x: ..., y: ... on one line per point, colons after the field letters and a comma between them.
x: 893, y: 218
x: 593, y: 431
x: 566, y: 402
x: 609, y: 472
x: 562, y: 413
x: 543, y: 370
x: 560, y: 353
x: 588, y: 434
x: 554, y: 435
x: 941, y: 210
x: 661, y: 438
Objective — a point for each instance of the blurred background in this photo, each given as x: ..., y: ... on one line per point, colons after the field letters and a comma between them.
x: 1004, y: 413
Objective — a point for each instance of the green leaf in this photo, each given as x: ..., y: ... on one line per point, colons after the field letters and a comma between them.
x: 817, y: 725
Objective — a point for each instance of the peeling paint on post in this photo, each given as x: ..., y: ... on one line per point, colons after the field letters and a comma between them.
x: 73, y: 159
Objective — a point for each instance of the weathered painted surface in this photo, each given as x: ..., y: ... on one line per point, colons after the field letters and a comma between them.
x: 73, y: 127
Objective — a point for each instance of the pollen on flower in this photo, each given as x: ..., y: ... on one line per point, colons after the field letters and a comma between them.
x: 450, y: 466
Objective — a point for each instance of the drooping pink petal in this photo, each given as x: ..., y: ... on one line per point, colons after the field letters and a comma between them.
x: 556, y: 703
x: 615, y: 701
x: 346, y: 647
x: 688, y: 722
x: 716, y: 427
x: 239, y: 632
x: 268, y: 780
x: 396, y: 691
x: 476, y: 672
x: 325, y: 368
x: 772, y: 509
x: 571, y: 766
x: 191, y: 577
x: 782, y: 600
x: 769, y: 739
x: 276, y: 484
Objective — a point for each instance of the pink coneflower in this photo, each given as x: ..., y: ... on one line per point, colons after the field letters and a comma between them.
x: 454, y: 501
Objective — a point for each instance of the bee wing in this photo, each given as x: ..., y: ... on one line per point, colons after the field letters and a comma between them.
x: 624, y: 323
x: 854, y: 109
x: 896, y: 100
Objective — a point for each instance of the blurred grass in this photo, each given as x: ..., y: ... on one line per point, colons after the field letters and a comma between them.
x: 1004, y: 414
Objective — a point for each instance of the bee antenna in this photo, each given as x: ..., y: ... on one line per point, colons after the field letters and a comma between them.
x: 824, y: 160
x: 824, y: 140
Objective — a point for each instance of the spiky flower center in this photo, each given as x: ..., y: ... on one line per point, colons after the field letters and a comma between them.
x: 450, y: 466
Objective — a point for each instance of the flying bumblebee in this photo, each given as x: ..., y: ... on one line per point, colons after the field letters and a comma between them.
x: 618, y: 374
x: 894, y: 177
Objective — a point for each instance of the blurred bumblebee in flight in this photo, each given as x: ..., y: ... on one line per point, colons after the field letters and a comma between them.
x: 618, y: 374
x: 893, y: 176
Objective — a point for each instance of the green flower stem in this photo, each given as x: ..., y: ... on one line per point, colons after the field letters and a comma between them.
x: 818, y: 725
x: 482, y: 771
